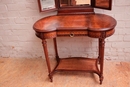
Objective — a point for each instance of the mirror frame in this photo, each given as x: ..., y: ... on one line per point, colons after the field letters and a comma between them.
x: 51, y: 9
x: 93, y: 4
x: 57, y: 6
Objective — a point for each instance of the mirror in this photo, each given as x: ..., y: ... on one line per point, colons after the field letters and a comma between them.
x: 45, y: 5
x: 104, y: 4
x: 49, y: 5
x: 64, y: 3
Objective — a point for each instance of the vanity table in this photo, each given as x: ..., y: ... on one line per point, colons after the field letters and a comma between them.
x: 76, y: 23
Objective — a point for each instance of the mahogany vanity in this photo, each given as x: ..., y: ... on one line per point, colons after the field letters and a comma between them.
x: 74, y: 20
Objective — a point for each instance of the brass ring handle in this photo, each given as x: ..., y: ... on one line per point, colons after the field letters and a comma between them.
x: 71, y: 34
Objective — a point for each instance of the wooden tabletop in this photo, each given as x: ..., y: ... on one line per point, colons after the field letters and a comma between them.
x: 93, y: 22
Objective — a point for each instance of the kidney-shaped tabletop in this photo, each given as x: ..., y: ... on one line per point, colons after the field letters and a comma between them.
x: 91, y: 23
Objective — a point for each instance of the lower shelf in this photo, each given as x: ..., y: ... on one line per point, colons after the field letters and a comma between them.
x: 78, y: 64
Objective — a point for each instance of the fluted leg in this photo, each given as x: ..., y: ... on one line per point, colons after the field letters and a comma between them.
x: 44, y: 42
x: 56, y: 51
x: 101, y: 57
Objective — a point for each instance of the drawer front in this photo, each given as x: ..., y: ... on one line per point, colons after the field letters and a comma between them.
x: 72, y: 33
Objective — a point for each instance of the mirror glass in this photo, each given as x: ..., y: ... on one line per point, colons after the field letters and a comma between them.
x: 47, y: 4
x: 64, y: 3
x: 102, y: 3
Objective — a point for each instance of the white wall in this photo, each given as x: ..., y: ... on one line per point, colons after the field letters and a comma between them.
x: 17, y: 37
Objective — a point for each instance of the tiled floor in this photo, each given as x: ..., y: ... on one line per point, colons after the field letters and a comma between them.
x: 33, y: 73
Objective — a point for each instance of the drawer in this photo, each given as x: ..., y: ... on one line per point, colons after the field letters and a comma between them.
x: 72, y: 33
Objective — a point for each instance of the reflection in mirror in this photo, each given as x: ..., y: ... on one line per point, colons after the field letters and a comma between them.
x: 47, y: 4
x: 74, y: 2
x: 102, y: 3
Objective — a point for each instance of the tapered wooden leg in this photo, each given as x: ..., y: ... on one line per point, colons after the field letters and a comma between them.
x: 99, y: 44
x: 44, y: 42
x: 101, y: 57
x: 56, y: 51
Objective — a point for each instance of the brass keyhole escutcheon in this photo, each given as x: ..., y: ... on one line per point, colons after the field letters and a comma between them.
x: 71, y: 34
